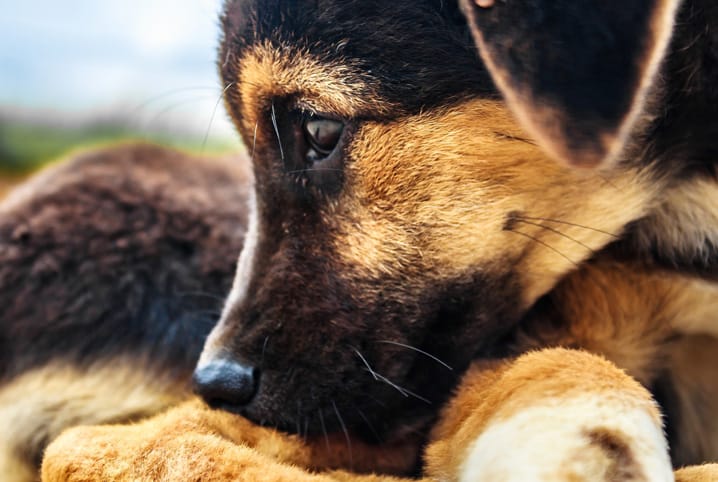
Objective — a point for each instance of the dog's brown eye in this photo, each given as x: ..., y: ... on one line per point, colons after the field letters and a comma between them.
x: 322, y: 136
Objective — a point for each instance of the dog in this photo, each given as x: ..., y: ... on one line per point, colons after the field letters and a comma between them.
x: 414, y: 197
x: 438, y: 186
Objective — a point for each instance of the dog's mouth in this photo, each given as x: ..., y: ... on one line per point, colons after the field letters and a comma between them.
x: 378, y: 380
x: 375, y: 402
x: 369, y: 425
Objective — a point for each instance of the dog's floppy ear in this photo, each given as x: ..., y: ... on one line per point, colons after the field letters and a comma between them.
x: 574, y: 72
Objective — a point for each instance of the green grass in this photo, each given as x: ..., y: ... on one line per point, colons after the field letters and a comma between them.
x: 26, y: 146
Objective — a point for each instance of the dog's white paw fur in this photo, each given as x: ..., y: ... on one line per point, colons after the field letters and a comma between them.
x: 584, y: 438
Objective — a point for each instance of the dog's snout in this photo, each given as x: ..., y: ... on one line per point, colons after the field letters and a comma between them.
x: 226, y: 384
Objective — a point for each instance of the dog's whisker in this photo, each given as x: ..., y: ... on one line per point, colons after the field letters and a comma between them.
x: 346, y: 435
x: 418, y: 350
x: 276, y: 131
x: 381, y: 378
x: 299, y: 418
x: 375, y: 400
x: 404, y: 391
x: 567, y: 223
x: 202, y: 294
x: 324, y: 429
x: 214, y: 113
x: 553, y: 230
x: 264, y: 350
x: 510, y: 137
x: 546, y: 245
x: 373, y: 373
x: 368, y: 424
x: 207, y: 313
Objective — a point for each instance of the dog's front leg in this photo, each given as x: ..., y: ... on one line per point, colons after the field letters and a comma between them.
x: 550, y: 415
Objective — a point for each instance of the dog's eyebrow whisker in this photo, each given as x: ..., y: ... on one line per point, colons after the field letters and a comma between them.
x: 346, y: 435
x: 418, y: 350
x: 553, y: 230
x: 214, y: 113
x: 324, y: 429
x: 546, y: 245
x: 172, y: 93
x: 567, y: 223
x: 276, y: 131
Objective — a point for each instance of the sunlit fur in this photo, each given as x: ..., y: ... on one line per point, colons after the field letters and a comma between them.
x: 459, y: 189
x: 37, y: 406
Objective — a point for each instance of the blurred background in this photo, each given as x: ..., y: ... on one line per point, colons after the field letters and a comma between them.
x: 75, y: 73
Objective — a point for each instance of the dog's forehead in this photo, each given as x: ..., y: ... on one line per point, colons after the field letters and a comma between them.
x: 413, y: 54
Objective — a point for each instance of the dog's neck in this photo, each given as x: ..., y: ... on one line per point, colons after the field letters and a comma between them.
x: 680, y: 145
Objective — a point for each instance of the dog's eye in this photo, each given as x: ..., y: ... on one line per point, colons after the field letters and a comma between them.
x: 311, y: 146
x: 322, y: 136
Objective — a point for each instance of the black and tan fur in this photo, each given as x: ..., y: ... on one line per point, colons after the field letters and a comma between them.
x: 555, y: 188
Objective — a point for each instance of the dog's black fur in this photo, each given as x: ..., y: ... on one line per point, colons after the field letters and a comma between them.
x: 109, y: 256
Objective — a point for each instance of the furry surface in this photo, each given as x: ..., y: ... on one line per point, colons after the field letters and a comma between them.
x: 193, y: 442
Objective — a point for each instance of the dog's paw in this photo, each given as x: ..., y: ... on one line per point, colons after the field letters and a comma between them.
x: 122, y: 454
x: 580, y: 439
x: 550, y: 415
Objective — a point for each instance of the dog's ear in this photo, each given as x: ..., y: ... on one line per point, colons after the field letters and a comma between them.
x: 575, y: 72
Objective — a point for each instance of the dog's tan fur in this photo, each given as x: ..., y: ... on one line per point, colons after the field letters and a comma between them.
x: 618, y: 310
x: 445, y: 184
x: 193, y: 442
x: 37, y: 406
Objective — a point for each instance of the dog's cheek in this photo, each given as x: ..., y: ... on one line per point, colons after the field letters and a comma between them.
x: 461, y: 190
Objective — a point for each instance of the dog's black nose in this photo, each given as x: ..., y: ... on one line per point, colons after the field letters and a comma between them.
x: 226, y: 384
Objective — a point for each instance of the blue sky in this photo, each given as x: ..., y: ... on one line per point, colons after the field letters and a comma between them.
x: 153, y: 60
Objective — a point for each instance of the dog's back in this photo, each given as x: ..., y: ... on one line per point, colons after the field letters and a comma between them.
x: 113, y: 268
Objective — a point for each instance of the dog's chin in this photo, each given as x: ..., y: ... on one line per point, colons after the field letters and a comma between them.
x: 373, y: 425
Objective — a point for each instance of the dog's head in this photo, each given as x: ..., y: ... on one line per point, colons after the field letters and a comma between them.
x: 414, y: 197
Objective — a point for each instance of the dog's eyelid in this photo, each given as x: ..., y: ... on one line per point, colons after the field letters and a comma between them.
x: 309, y: 110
